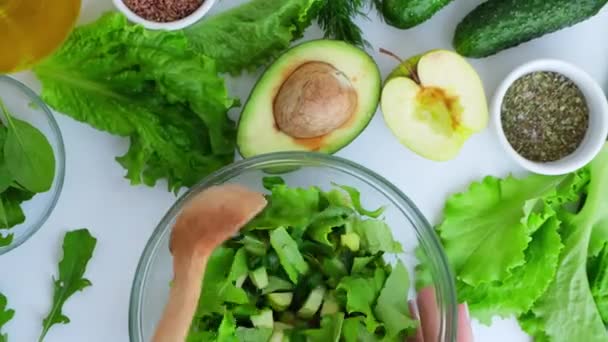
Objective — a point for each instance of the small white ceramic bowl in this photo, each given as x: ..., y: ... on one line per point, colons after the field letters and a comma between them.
x: 597, y: 132
x: 169, y: 26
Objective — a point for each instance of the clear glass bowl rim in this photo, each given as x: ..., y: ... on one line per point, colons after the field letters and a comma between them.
x: 59, y: 160
x: 441, y: 271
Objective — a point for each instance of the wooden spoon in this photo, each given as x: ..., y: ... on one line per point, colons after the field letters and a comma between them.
x: 209, y: 219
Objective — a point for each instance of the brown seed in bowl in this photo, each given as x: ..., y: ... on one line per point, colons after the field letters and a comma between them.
x: 163, y: 11
x: 315, y: 100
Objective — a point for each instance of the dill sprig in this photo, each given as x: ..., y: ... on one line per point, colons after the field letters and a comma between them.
x: 336, y: 18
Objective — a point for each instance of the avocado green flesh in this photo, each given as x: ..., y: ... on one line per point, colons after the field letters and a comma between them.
x: 497, y: 25
x: 405, y: 14
x: 257, y: 131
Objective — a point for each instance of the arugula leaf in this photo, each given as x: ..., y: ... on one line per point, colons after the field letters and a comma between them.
x: 287, y: 249
x: 392, y: 308
x: 6, y: 178
x: 487, y: 229
x: 6, y: 315
x: 330, y: 330
x: 567, y: 311
x: 78, y: 246
x: 28, y: 156
x: 248, y: 36
x: 148, y: 86
x: 13, y: 214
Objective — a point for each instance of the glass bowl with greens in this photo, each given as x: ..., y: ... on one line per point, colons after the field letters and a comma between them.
x: 32, y: 161
x: 331, y: 258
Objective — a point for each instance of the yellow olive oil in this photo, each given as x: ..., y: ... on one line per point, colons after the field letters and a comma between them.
x: 32, y: 29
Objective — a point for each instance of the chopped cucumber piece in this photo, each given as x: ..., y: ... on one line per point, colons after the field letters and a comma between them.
x: 259, y: 277
x: 351, y: 241
x: 313, y: 303
x: 263, y: 319
x: 280, y: 300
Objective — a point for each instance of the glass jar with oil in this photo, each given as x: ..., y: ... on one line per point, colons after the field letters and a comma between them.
x: 32, y: 29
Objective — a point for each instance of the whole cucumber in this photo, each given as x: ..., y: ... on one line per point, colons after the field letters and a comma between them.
x: 405, y: 14
x: 500, y: 24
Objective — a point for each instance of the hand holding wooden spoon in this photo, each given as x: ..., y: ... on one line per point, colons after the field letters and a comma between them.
x: 209, y: 219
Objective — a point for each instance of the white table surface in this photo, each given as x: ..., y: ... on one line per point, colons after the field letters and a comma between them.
x: 122, y: 217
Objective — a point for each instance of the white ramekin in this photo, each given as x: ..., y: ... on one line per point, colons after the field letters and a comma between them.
x: 169, y: 26
x: 597, y: 132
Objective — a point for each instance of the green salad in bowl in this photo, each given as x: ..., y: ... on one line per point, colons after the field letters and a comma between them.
x: 330, y: 258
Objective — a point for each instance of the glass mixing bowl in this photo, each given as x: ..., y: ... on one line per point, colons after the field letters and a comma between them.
x: 151, y: 285
x: 25, y: 105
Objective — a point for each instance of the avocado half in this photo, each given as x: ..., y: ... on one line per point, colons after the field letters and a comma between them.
x: 318, y: 96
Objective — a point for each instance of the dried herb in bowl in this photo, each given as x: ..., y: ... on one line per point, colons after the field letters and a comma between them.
x: 544, y: 116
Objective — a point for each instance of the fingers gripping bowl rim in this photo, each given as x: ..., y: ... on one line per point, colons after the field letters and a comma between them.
x: 25, y: 105
x: 151, y: 283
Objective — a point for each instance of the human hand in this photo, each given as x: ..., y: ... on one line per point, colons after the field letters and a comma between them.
x: 428, y: 316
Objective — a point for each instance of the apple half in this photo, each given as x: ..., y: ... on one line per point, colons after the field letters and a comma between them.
x: 433, y: 103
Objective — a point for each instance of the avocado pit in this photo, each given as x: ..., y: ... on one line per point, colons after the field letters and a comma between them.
x: 314, y: 100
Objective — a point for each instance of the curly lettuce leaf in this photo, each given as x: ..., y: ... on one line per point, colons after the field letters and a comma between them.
x: 516, y: 294
x: 248, y: 36
x: 148, y: 86
x: 487, y: 229
x: 567, y: 310
x: 597, y: 270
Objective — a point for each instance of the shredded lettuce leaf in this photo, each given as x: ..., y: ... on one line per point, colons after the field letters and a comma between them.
x: 534, y: 248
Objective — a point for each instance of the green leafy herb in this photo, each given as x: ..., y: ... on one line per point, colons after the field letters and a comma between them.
x: 78, y: 246
x: 6, y: 315
x: 28, y: 156
x: 336, y: 18
x: 248, y: 36
x: 148, y: 86
x: 315, y: 287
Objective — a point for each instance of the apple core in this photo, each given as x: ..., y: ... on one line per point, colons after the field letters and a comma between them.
x: 314, y: 100
x: 442, y: 110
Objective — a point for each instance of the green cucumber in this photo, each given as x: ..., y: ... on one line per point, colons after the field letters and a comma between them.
x: 497, y: 25
x: 405, y: 14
